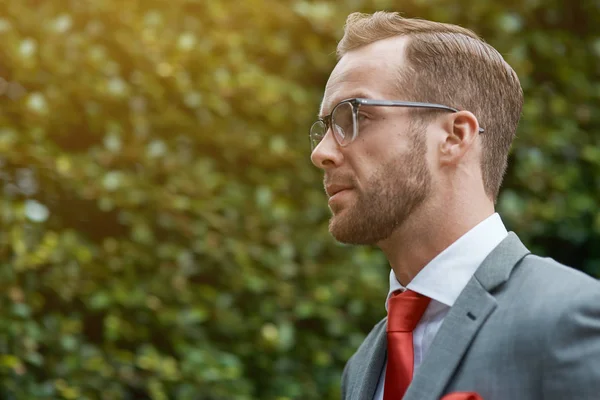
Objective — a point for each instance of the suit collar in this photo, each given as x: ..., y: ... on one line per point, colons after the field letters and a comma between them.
x: 462, y: 323
x: 497, y: 267
x: 447, y: 274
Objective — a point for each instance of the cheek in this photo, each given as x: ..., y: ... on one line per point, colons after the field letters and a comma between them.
x: 378, y: 147
x: 370, y: 167
x: 432, y: 154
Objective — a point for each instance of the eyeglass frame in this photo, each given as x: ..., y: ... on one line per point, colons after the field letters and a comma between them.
x: 358, y: 101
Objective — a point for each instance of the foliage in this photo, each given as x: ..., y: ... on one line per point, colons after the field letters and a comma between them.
x: 163, y: 232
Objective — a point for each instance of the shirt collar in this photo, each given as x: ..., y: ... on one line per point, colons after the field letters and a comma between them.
x: 445, y: 277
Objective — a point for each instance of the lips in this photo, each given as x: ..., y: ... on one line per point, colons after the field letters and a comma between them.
x: 333, y: 189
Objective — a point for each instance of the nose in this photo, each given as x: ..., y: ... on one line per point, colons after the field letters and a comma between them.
x: 327, y: 153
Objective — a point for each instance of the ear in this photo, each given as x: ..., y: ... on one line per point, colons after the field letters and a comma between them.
x: 462, y: 130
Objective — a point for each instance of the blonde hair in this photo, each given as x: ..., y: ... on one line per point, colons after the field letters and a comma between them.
x: 451, y: 65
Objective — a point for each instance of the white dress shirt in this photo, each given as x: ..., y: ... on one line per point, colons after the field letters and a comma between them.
x: 443, y: 279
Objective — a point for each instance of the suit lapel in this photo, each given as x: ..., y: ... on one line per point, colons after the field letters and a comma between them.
x: 459, y: 328
x: 370, y: 366
x: 465, y: 318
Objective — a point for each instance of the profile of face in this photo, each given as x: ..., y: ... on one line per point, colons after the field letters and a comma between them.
x: 376, y: 182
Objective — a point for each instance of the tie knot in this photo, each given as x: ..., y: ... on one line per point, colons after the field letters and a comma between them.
x: 405, y: 311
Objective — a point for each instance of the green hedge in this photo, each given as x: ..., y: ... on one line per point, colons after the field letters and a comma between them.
x: 164, y: 234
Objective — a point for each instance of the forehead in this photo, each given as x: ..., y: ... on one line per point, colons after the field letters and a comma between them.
x: 368, y: 71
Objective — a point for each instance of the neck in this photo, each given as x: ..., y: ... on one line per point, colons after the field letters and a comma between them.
x: 425, y: 234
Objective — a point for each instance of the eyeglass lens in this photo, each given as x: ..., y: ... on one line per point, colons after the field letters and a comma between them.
x: 342, y: 120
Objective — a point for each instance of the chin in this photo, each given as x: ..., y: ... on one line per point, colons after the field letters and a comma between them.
x: 337, y: 209
x: 346, y: 231
x: 355, y: 226
x: 339, y: 227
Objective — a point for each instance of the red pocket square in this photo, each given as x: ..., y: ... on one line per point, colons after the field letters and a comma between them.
x: 462, y: 396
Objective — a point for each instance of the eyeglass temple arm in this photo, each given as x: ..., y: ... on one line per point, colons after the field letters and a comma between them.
x: 411, y: 104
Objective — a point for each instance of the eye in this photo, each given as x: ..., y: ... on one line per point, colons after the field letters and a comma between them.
x: 362, y: 118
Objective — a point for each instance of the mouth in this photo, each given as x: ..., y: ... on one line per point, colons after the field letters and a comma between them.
x: 333, y: 190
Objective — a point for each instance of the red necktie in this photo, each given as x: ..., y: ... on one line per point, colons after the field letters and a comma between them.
x: 404, y: 312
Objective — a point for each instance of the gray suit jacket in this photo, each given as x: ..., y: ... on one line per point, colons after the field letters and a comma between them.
x: 524, y: 327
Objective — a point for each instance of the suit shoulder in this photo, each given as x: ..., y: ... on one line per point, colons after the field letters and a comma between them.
x: 548, y: 271
x: 550, y: 288
x: 567, y: 322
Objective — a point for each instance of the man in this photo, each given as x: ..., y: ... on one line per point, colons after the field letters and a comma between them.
x: 415, y: 126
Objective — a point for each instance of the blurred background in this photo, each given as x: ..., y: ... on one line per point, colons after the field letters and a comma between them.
x: 163, y: 234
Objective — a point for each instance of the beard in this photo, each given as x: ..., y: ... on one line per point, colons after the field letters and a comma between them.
x: 394, y: 192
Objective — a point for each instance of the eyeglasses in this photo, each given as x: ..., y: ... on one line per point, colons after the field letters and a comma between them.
x: 345, y: 119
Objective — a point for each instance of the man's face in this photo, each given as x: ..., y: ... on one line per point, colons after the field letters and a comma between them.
x: 376, y: 182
